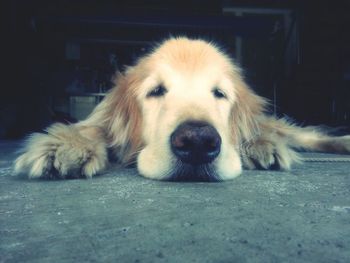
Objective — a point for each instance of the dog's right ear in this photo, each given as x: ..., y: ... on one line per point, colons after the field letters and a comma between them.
x: 119, y: 115
x: 246, y: 112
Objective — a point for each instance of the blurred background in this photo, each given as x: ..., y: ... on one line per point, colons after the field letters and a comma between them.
x: 59, y: 56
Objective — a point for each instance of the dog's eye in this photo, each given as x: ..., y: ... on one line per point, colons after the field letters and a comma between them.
x: 157, y: 91
x: 218, y: 93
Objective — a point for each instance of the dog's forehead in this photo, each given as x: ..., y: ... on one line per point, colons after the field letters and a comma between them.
x: 182, y: 54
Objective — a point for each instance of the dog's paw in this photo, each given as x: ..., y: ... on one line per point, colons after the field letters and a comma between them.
x: 61, y: 153
x: 267, y: 154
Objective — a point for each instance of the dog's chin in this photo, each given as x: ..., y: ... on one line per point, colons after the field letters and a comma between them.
x: 194, y: 173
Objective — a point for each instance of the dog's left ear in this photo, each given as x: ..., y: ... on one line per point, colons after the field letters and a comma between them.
x: 126, y: 123
x: 120, y: 117
x: 246, y: 112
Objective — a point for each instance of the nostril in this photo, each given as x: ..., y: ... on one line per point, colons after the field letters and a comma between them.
x: 211, y: 143
x: 181, y: 143
x: 212, y: 147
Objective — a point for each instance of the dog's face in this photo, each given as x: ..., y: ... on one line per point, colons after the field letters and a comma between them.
x: 188, y: 95
x: 186, y: 102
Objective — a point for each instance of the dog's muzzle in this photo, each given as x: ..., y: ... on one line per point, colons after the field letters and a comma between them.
x: 195, y: 143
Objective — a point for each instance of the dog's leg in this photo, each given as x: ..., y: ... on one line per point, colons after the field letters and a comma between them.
x: 312, y: 140
x: 64, y: 151
x: 275, y: 145
x: 80, y: 150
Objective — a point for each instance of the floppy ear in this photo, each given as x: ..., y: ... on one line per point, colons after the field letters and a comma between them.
x: 247, y: 112
x: 120, y: 116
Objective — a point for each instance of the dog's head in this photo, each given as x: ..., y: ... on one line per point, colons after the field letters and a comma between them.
x: 182, y: 112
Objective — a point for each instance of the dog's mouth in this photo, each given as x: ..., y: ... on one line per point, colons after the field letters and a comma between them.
x: 194, y: 173
x: 196, y: 145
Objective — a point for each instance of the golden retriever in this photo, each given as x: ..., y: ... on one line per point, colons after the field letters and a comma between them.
x: 183, y: 112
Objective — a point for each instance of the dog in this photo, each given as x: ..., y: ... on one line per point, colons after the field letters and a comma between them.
x: 183, y: 112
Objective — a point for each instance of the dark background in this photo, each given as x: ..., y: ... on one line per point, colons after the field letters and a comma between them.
x: 55, y: 50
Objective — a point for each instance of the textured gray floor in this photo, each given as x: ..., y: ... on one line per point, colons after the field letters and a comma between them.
x: 297, y: 216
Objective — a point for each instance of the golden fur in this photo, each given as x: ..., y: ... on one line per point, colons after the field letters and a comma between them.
x: 135, y: 127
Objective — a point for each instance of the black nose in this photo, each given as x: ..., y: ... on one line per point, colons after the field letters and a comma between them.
x: 195, y: 142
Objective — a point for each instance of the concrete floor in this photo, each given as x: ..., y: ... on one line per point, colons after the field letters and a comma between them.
x: 297, y: 216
